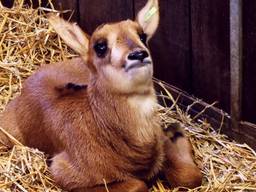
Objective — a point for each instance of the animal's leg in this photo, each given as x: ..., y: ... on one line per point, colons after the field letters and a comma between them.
x: 180, y: 169
x: 64, y: 173
x: 130, y: 185
x: 71, y: 179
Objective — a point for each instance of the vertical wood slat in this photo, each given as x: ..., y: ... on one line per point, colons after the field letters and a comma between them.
x: 170, y: 46
x: 249, y: 58
x: 93, y: 13
x: 235, y: 61
x: 210, y: 51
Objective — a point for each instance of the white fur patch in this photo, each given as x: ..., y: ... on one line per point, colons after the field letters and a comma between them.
x: 116, y: 54
x: 144, y: 111
x: 145, y: 105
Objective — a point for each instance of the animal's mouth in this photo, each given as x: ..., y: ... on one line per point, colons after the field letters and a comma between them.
x: 136, y: 64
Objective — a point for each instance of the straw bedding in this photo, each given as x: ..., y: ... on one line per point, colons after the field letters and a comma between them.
x: 26, y: 42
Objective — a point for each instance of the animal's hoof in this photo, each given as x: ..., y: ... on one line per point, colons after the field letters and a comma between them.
x: 174, y: 131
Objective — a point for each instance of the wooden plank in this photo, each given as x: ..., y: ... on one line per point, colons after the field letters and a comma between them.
x: 248, y: 129
x: 247, y: 134
x: 7, y: 3
x: 171, y: 45
x: 210, y: 51
x: 235, y: 62
x: 93, y: 13
x: 249, y: 59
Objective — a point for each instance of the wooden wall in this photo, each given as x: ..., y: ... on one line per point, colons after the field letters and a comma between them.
x: 191, y: 49
x: 249, y: 61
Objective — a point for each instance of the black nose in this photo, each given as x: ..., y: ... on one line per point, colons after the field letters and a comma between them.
x: 138, y: 55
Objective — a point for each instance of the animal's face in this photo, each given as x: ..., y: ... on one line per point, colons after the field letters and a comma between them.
x: 120, y: 55
x: 117, y: 54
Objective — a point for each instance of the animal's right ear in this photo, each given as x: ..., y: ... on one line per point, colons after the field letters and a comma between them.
x: 148, y: 17
x: 72, y: 35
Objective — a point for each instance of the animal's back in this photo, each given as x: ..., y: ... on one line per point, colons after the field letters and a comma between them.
x: 28, y: 117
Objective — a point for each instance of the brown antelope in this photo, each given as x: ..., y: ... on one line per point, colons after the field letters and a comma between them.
x: 97, y: 114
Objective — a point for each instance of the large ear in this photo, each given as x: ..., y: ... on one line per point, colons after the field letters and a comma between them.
x: 72, y: 35
x: 148, y: 17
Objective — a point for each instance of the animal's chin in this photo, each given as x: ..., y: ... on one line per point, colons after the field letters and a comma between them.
x: 141, y: 74
x: 135, y: 65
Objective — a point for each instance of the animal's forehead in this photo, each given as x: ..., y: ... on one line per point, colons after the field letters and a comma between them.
x: 123, y: 26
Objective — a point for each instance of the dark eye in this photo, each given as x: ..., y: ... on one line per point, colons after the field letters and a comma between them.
x: 101, y: 48
x: 143, y: 38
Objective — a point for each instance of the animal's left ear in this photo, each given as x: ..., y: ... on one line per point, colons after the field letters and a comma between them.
x: 148, y: 17
x: 72, y: 34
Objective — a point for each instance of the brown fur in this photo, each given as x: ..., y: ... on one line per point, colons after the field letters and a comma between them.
x: 107, y: 131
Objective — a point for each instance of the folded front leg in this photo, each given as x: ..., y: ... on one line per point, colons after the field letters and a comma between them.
x: 129, y: 185
x: 64, y: 172
x: 72, y: 179
x: 180, y: 168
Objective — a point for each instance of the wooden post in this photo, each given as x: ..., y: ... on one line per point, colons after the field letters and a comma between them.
x: 235, y: 62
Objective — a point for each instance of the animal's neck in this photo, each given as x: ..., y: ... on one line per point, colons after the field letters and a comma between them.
x: 127, y: 113
x: 128, y: 125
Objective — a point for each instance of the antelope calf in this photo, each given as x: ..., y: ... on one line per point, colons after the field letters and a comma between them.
x: 96, y: 114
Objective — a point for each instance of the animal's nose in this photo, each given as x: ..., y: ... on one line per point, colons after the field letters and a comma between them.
x: 138, y: 55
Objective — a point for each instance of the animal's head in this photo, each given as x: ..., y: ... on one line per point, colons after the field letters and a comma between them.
x: 117, y: 54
